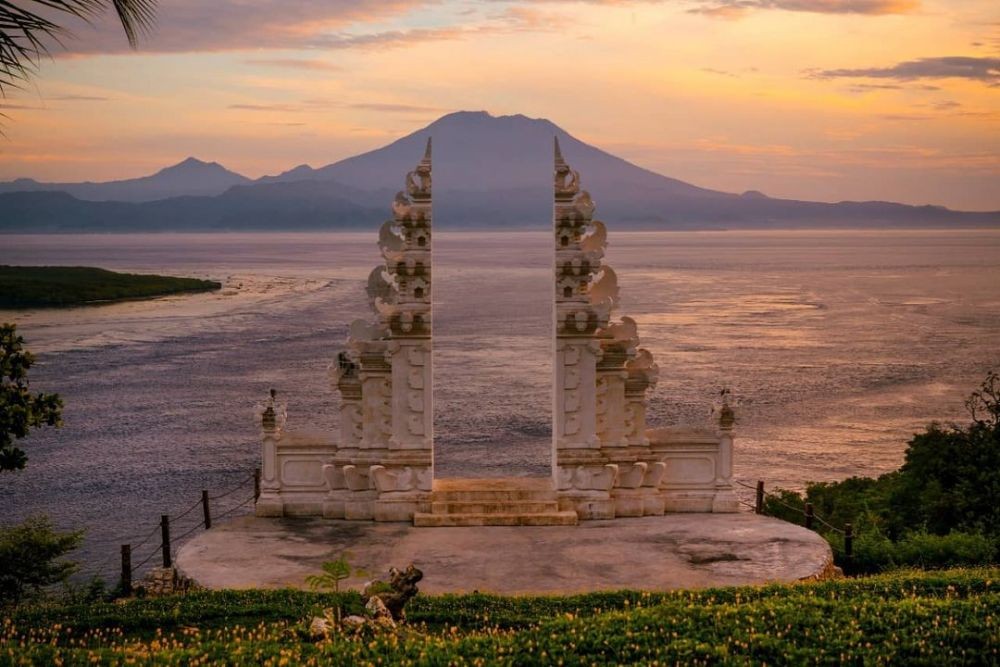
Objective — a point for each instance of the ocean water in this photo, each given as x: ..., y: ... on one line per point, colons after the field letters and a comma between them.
x: 838, y: 346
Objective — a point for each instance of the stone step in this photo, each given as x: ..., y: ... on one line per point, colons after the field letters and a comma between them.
x: 497, y: 496
x: 428, y: 520
x: 494, y: 490
x: 484, y: 507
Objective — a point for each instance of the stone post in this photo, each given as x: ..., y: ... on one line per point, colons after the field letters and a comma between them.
x: 725, y: 497
x: 272, y: 421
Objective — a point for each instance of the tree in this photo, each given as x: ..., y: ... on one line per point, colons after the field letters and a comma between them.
x: 24, y: 31
x: 20, y: 411
x: 30, y: 558
x: 940, y: 507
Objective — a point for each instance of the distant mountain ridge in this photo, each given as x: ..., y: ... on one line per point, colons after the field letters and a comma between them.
x: 189, y: 177
x: 488, y: 171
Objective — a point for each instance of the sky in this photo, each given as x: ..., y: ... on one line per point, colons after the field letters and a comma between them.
x: 823, y: 100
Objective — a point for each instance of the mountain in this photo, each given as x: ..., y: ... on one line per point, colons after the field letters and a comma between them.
x: 477, y: 152
x: 488, y: 171
x: 190, y: 177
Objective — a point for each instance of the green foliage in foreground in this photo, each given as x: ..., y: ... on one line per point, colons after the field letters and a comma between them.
x: 939, y: 510
x: 31, y: 558
x: 931, y: 618
x: 20, y: 411
x: 45, y: 286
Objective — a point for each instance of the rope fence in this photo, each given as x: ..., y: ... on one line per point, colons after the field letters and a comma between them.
x: 168, y: 523
x: 808, y: 513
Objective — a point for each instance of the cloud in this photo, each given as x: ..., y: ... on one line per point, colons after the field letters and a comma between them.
x: 319, y: 104
x: 733, y: 9
x: 229, y: 25
x: 395, y: 108
x: 284, y: 108
x: 872, y: 87
x: 225, y: 25
x: 719, y: 72
x: 986, y: 70
x: 80, y: 98
x: 512, y: 20
x: 20, y: 107
x: 296, y: 63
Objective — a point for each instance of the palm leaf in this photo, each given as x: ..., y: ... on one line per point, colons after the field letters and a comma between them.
x: 24, y: 32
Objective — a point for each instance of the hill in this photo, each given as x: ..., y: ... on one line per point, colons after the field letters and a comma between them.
x: 190, y: 177
x: 932, y: 618
x: 488, y: 171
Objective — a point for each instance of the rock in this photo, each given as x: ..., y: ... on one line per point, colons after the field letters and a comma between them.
x: 162, y: 581
x: 320, y: 627
x: 376, y: 608
x: 354, y: 622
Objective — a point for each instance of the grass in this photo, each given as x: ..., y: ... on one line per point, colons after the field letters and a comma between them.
x: 930, y: 618
x: 55, y: 286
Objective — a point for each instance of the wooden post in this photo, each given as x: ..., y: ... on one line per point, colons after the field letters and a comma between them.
x: 256, y: 484
x: 165, y: 536
x: 759, y: 508
x: 126, y: 569
x: 809, y: 516
x: 849, y: 540
x: 205, y: 510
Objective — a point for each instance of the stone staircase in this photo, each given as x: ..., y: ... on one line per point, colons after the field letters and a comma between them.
x: 509, y: 501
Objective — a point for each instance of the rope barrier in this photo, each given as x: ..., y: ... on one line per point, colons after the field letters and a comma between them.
x: 827, y: 524
x: 233, y: 509
x: 147, y: 559
x: 188, y: 532
x: 232, y: 490
x: 187, y: 511
x: 147, y: 538
x: 800, y: 510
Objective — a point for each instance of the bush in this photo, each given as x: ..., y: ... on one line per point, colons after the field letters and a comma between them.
x: 929, y: 618
x: 923, y: 549
x: 31, y: 558
x: 940, y: 509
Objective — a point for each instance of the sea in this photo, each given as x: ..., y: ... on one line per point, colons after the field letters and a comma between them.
x: 837, y: 347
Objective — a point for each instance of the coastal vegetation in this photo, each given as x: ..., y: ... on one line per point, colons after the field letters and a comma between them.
x: 47, y: 286
x: 938, y: 510
x: 20, y: 411
x: 944, y: 617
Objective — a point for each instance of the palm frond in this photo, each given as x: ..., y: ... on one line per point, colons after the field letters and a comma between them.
x: 25, y: 32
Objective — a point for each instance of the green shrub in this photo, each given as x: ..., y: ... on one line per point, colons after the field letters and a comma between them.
x: 932, y: 618
x: 923, y: 549
x: 939, y: 510
x: 31, y: 558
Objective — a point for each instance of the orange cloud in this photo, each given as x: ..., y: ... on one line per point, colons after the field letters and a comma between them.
x: 730, y: 9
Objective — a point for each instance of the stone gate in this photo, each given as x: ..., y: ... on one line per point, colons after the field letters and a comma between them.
x: 606, y: 463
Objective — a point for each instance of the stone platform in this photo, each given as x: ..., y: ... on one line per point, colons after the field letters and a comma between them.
x: 651, y: 553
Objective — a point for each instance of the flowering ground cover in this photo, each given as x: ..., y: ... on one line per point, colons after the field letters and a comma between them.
x: 932, y: 618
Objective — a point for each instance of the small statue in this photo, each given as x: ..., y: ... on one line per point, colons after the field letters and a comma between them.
x: 727, y: 416
x: 402, y: 588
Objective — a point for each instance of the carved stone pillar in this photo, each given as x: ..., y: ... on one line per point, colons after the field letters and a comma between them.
x: 725, y: 497
x: 272, y: 423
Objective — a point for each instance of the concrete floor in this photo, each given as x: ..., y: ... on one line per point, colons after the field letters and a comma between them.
x: 650, y: 553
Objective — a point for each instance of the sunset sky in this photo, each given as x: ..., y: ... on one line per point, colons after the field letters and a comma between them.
x: 810, y: 99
